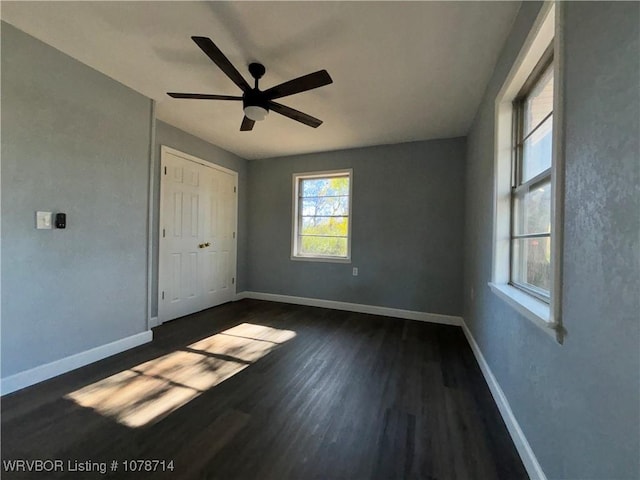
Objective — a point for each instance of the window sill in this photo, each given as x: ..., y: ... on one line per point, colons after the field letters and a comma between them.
x: 530, y: 307
x: 321, y: 259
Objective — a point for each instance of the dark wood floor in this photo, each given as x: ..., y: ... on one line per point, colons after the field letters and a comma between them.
x: 350, y: 396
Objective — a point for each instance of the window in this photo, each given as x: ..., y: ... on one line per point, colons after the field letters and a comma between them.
x: 529, y: 178
x: 531, y: 191
x: 322, y: 211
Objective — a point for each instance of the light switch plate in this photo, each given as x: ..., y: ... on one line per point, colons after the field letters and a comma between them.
x: 43, y: 220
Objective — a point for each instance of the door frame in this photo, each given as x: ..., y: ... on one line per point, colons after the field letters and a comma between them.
x: 164, y: 150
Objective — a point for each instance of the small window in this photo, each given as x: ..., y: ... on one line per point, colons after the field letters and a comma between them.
x: 322, y: 216
x: 531, y: 189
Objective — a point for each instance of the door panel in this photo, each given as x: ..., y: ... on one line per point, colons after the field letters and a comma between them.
x: 197, y: 239
x: 224, y: 268
x: 176, y: 275
x: 194, y: 217
x: 177, y: 214
x: 210, y: 273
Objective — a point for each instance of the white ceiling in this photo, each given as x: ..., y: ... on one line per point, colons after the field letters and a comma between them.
x: 402, y: 71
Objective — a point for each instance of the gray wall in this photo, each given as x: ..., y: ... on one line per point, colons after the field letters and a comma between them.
x: 577, y: 403
x: 73, y: 141
x: 408, y: 209
x: 187, y: 143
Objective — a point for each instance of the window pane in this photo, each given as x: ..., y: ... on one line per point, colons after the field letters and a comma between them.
x: 532, y: 209
x: 320, y: 187
x: 539, y: 103
x: 325, y: 206
x: 322, y: 220
x: 334, y: 226
x: 532, y: 262
x: 536, y: 157
x: 330, y: 246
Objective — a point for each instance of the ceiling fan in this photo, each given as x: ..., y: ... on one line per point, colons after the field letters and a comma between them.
x: 257, y: 103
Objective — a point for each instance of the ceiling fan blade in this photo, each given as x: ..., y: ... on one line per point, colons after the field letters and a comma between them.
x: 214, y: 53
x: 300, y: 84
x: 247, y: 124
x: 203, y: 96
x: 295, y: 114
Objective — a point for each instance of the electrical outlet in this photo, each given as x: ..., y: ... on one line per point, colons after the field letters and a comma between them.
x: 355, y: 271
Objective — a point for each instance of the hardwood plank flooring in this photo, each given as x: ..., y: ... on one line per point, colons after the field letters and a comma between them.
x: 263, y: 390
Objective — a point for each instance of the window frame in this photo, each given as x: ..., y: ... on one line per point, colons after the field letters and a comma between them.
x: 547, y: 31
x: 517, y: 165
x: 296, y: 215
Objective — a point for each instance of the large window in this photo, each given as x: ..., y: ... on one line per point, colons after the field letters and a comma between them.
x: 322, y: 222
x: 529, y: 177
x: 531, y: 191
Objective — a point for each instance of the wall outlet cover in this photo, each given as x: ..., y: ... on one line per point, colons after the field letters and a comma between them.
x: 43, y: 220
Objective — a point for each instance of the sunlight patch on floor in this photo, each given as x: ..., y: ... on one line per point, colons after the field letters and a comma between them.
x: 150, y: 391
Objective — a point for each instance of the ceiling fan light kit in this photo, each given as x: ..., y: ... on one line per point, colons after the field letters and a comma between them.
x: 255, y: 113
x: 257, y: 103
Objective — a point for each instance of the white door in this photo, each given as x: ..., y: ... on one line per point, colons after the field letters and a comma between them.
x: 218, y: 255
x: 197, y: 236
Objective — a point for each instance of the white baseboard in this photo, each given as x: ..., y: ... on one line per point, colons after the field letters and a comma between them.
x: 521, y: 443
x: 44, y: 372
x: 355, y: 307
x: 153, y: 322
x: 240, y: 296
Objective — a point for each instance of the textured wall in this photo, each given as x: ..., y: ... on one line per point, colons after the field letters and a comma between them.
x: 75, y: 141
x: 577, y: 403
x: 406, y: 231
x: 180, y: 140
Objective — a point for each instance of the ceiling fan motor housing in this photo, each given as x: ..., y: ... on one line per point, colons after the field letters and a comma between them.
x: 254, y: 98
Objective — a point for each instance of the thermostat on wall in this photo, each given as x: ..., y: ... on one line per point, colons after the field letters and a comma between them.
x: 61, y: 220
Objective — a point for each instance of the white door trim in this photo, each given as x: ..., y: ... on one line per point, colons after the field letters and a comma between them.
x: 151, y: 212
x: 164, y: 150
